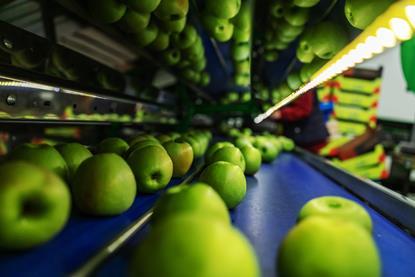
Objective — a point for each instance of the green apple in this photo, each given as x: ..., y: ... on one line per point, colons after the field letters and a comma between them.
x: 307, y: 70
x: 188, y: 245
x: 42, y: 155
x: 242, y: 67
x: 29, y: 58
x: 212, y: 149
x: 229, y: 154
x: 113, y: 145
x: 241, y: 35
x: 227, y: 180
x: 243, y: 20
x: 197, y: 198
x: 336, y: 207
x: 110, y: 80
x: 306, y: 3
x: 162, y: 138
x: 174, y: 25
x: 134, y: 22
x: 289, y: 30
x: 296, y: 16
x: 285, y: 38
x: 360, y: 13
x: 191, y: 75
x: 218, y: 28
x: 243, y: 141
x: 242, y: 80
x: 143, y: 6
x: 104, y: 185
x: 181, y: 154
x: 146, y: 36
x: 186, y: 38
x: 287, y: 144
x: 195, y: 51
x: 224, y: 9
x: 268, y: 150
x: 161, y: 42
x: 241, y: 51
x: 152, y: 168
x: 172, y: 9
x: 171, y: 56
x: 320, y: 246
x: 107, y: 11
x: 253, y: 159
x: 140, y: 144
x: 294, y: 81
x: 284, y: 89
x: 34, y: 205
x: 271, y: 55
x: 277, y: 9
x: 73, y: 154
x: 199, y: 65
x: 195, y: 144
x: 142, y: 137
x: 204, y: 79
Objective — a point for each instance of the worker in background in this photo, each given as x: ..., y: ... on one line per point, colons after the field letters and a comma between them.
x: 303, y: 122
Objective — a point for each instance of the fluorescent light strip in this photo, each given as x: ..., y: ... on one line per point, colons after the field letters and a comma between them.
x: 393, y: 26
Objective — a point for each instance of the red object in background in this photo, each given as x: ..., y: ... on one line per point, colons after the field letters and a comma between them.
x: 298, y: 109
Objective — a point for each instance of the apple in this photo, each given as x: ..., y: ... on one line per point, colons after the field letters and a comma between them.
x: 192, y: 245
x: 336, y: 207
x: 229, y: 154
x: 284, y: 89
x: 218, y: 28
x: 172, y: 9
x: 243, y: 20
x: 140, y: 144
x: 204, y: 79
x: 34, y: 204
x: 147, y: 35
x: 224, y: 9
x: 29, y: 58
x: 110, y: 80
x: 212, y: 149
x: 289, y: 30
x: 242, y: 80
x: 243, y: 67
x: 287, y: 144
x: 271, y: 55
x: 323, y: 40
x: 294, y: 81
x: 162, y: 138
x: 307, y: 70
x: 268, y: 151
x: 199, y: 65
x: 243, y: 141
x: 181, y: 154
x: 241, y: 51
x: 161, y: 42
x: 360, y: 13
x: 306, y: 3
x: 195, y: 51
x: 320, y: 246
x: 186, y: 38
x: 42, y: 155
x: 152, y: 168
x: 191, y: 75
x: 142, y: 137
x: 113, y: 145
x: 241, y: 35
x: 134, y: 22
x: 143, y: 6
x: 277, y: 9
x: 107, y: 11
x: 104, y: 185
x: 197, y: 198
x: 296, y: 16
x: 171, y: 56
x: 195, y: 144
x: 227, y: 180
x: 253, y: 159
x: 73, y: 154
x: 246, y: 96
x: 174, y: 25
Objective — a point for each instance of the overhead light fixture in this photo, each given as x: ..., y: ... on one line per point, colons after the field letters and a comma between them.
x: 396, y: 24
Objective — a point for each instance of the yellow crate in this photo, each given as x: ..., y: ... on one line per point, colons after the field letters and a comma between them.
x: 324, y: 93
x: 361, y: 85
x: 332, y: 145
x: 351, y: 128
x: 355, y: 114
x: 349, y: 98
x: 365, y: 160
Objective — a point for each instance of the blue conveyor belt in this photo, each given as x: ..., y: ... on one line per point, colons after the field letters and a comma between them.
x: 269, y: 210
